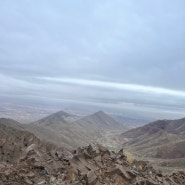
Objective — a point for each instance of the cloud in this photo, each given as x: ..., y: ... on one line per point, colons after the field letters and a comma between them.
x: 122, y: 86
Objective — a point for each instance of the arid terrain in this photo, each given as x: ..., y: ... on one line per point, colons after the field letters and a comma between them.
x: 92, y: 92
x: 68, y: 130
x: 64, y: 148
x: 25, y: 160
x: 162, y: 142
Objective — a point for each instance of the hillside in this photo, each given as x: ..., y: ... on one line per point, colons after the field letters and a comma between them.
x: 64, y: 135
x: 11, y: 123
x: 64, y: 130
x: 170, y: 126
x: 25, y: 160
x: 13, y: 142
x: 99, y: 120
x: 60, y: 117
x: 67, y: 130
x: 163, y: 139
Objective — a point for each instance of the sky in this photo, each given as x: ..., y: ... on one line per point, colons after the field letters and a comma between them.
x: 118, y: 55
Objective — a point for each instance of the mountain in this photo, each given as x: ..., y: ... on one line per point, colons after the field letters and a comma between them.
x: 98, y: 121
x: 63, y: 135
x: 162, y: 140
x: 63, y: 130
x: 170, y: 126
x: 25, y: 160
x: 60, y: 117
x: 69, y: 130
x: 11, y: 123
x: 14, y: 141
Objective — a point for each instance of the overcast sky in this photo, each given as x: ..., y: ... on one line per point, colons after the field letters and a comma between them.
x: 120, y: 54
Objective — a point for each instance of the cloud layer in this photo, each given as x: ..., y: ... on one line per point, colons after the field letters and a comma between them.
x: 106, y: 52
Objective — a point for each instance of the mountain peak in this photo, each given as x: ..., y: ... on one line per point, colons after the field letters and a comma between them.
x: 100, y: 112
x: 63, y: 113
x: 99, y: 120
x: 58, y: 118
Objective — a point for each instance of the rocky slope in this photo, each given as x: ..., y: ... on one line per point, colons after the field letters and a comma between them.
x: 13, y: 142
x: 162, y: 140
x: 87, y: 165
x: 25, y: 159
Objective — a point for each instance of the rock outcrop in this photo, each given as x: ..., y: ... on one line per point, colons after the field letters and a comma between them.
x: 91, y: 165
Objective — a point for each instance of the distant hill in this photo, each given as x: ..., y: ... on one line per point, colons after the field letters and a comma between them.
x: 71, y: 130
x: 64, y: 135
x: 80, y: 131
x: 99, y: 120
x: 63, y: 130
x: 170, y: 126
x: 163, y: 139
x: 68, y: 130
x: 60, y: 117
x: 11, y: 123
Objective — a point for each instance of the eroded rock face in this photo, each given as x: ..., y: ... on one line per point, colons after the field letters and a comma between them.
x: 91, y: 165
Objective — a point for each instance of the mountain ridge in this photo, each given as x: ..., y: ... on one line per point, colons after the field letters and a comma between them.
x: 159, y: 140
x: 99, y: 120
x: 59, y: 117
x: 27, y: 160
x: 68, y: 130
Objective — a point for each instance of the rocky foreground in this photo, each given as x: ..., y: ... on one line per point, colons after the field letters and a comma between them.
x: 91, y: 165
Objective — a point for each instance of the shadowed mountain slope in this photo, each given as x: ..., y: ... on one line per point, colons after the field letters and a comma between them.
x: 170, y: 126
x: 163, y: 139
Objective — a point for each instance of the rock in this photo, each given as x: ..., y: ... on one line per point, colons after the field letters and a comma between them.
x: 91, y: 178
x: 91, y: 165
x: 28, y: 181
x: 90, y: 150
x: 121, y: 171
